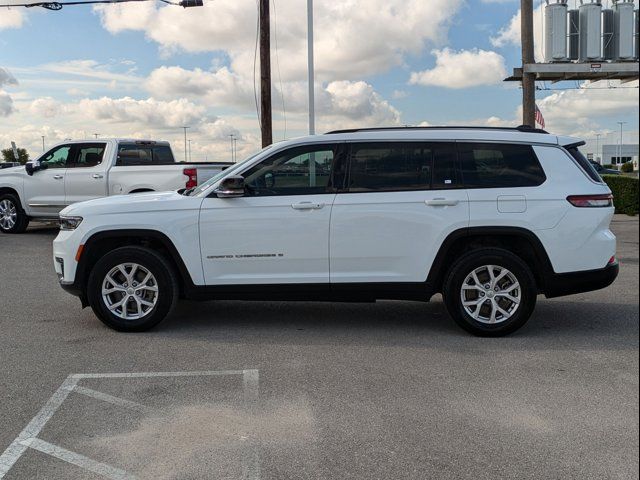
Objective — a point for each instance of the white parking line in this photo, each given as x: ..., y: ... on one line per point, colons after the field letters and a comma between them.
x: 33, y: 428
x: 77, y: 459
x: 105, y: 397
x: 28, y: 436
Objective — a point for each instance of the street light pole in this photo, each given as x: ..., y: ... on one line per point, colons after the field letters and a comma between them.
x: 620, y: 149
x: 311, y: 68
x: 189, y: 149
x: 233, y: 157
x: 598, y: 159
x: 42, y: 142
x: 185, y: 142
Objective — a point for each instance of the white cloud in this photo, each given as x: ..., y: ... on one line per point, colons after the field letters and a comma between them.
x: 6, y: 104
x: 149, y: 112
x: 6, y: 78
x: 221, y: 87
x: 45, y: 107
x: 353, y: 38
x: 509, y: 35
x: 462, y: 69
x: 573, y: 110
x: 10, y: 18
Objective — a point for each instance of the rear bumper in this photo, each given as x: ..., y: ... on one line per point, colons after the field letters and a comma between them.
x: 560, y: 284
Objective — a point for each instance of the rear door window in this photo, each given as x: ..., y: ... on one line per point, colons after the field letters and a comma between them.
x: 88, y: 155
x: 400, y: 166
x: 495, y: 165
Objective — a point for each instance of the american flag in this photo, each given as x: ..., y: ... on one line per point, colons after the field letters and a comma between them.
x: 539, y: 117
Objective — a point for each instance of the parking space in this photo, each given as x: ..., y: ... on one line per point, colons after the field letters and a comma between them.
x: 269, y: 390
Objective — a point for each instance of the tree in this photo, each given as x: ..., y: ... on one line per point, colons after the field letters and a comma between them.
x: 7, y: 155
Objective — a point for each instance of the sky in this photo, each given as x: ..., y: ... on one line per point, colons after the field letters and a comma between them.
x: 145, y: 69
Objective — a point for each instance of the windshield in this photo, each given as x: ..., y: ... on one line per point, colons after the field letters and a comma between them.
x: 202, y: 187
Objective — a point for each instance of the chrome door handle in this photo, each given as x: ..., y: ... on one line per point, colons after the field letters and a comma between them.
x: 97, y: 175
x: 442, y: 202
x: 307, y: 206
x: 58, y: 177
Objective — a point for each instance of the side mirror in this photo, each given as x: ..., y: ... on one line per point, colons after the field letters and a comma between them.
x: 230, y: 187
x: 32, y: 167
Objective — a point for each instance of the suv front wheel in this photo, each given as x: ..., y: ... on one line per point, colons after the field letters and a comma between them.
x: 132, y: 289
x: 490, y: 292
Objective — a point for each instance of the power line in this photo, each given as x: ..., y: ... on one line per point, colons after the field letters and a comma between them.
x: 59, y: 5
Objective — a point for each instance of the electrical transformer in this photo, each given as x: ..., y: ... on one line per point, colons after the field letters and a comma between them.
x: 590, y: 28
x: 556, y: 31
x: 623, y: 30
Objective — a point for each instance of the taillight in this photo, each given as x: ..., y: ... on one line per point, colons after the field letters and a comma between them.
x: 192, y: 181
x: 597, y: 201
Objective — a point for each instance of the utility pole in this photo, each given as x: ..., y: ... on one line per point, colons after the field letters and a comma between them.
x: 189, y: 149
x: 310, y: 65
x: 185, y: 142
x: 528, y: 79
x: 598, y: 159
x: 235, y: 149
x: 265, y: 74
x: 42, y: 142
x: 96, y: 135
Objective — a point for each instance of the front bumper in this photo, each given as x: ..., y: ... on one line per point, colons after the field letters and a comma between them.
x: 560, y: 284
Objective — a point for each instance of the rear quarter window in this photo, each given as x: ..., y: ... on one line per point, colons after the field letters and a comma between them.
x: 585, y: 164
x: 129, y: 155
x: 496, y: 165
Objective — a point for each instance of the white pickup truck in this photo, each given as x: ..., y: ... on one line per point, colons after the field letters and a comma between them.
x: 76, y: 171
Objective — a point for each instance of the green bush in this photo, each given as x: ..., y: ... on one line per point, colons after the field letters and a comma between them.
x: 625, y: 193
x: 608, y: 165
x: 627, y: 167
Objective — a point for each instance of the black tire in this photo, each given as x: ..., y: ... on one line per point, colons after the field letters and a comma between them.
x: 477, y: 259
x: 166, y: 283
x: 21, y: 221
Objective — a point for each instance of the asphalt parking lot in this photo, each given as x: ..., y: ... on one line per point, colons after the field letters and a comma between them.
x: 241, y: 390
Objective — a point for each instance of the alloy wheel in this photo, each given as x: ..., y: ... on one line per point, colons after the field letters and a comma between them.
x: 491, y: 294
x: 8, y: 214
x: 130, y: 291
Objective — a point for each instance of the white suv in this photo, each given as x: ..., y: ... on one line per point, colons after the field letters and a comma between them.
x: 490, y: 218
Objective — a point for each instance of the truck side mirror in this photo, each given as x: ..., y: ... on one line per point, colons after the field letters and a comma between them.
x: 29, y: 168
x: 34, y: 165
x: 230, y: 187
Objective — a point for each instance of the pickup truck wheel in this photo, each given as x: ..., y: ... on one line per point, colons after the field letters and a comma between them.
x: 490, y: 292
x: 132, y: 289
x: 12, y: 218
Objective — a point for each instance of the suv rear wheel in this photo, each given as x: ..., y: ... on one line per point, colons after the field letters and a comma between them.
x: 490, y: 292
x: 132, y: 289
x: 12, y: 218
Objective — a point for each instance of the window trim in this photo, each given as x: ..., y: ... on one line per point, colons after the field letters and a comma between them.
x: 452, y: 143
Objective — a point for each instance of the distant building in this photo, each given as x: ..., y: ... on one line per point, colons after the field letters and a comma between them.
x: 611, y: 154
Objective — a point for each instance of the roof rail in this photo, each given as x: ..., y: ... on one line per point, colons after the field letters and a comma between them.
x: 521, y: 128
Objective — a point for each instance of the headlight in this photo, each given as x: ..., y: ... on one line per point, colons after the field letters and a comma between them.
x: 70, y: 223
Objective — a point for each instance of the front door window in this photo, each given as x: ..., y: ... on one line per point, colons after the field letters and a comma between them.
x: 298, y: 171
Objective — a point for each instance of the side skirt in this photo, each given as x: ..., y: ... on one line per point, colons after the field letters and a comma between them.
x: 348, y: 292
